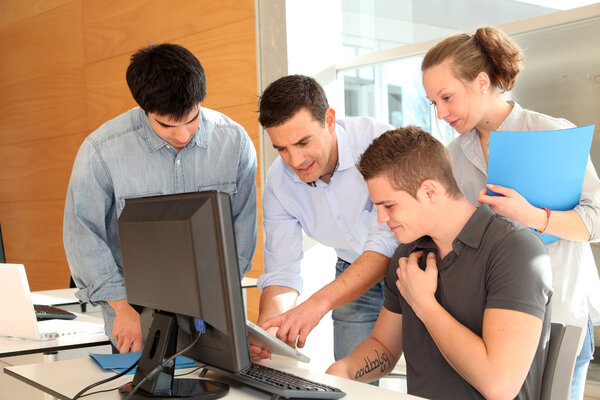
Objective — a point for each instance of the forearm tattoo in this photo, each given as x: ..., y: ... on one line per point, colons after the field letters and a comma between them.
x: 380, y: 361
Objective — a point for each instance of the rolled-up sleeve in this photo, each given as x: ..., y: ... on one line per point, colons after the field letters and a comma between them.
x: 243, y: 205
x: 283, y: 245
x: 89, y: 225
x: 589, y: 202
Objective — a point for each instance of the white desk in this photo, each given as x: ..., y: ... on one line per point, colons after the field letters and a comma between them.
x: 64, y: 379
x: 11, y: 346
x: 58, y: 297
x: 55, y: 297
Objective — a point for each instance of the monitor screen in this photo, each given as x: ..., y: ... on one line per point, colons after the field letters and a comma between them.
x: 179, y: 257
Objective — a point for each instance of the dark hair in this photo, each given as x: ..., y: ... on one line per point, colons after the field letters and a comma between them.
x: 286, y: 96
x: 408, y: 156
x: 489, y: 50
x: 166, y: 79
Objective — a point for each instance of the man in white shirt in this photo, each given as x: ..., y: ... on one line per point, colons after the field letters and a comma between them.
x: 314, y: 187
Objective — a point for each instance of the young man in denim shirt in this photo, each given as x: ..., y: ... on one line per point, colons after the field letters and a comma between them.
x: 169, y: 144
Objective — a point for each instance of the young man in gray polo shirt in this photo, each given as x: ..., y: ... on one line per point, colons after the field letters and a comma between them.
x: 467, y: 298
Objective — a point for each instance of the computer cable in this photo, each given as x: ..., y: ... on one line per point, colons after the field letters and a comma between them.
x: 118, y: 387
x: 93, y: 385
x: 161, y: 366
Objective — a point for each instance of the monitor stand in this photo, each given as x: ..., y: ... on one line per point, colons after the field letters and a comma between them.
x: 161, y: 344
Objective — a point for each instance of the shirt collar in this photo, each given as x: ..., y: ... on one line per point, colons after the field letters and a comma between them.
x: 344, y: 161
x: 472, y: 233
x: 155, y: 142
x: 345, y: 158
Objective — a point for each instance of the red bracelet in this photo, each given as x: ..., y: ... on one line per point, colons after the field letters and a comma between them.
x: 548, y: 212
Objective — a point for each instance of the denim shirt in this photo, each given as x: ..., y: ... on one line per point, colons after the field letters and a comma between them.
x: 123, y: 159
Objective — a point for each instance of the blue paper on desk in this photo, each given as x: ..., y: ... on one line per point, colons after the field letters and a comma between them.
x: 545, y: 167
x: 120, y: 362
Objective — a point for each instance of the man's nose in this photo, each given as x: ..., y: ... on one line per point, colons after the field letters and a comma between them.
x: 382, y: 215
x: 181, y: 134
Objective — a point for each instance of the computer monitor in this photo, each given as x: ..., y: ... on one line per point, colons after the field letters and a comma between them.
x: 179, y: 258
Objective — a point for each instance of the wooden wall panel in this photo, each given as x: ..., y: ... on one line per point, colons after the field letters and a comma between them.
x: 228, y: 55
x: 43, y: 275
x: 15, y: 11
x: 32, y: 234
x: 31, y: 230
x: 245, y: 115
x: 120, y: 27
x: 62, y: 75
x: 43, y: 107
x: 107, y: 91
x: 38, y: 170
x: 45, y: 44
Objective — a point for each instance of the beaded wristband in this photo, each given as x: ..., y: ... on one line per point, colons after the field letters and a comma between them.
x: 548, y: 212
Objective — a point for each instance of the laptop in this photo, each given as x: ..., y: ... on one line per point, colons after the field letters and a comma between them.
x: 17, y: 315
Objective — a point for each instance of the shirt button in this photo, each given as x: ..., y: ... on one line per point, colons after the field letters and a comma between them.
x: 178, y: 162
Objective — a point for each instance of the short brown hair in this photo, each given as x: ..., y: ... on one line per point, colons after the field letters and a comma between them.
x: 408, y: 156
x: 283, y: 98
x: 488, y: 50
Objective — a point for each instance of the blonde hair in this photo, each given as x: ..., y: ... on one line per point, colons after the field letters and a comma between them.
x: 489, y: 50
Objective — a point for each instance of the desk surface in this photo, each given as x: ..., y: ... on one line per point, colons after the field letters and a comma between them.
x: 11, y: 346
x: 59, y: 297
x: 64, y: 379
x: 55, y: 297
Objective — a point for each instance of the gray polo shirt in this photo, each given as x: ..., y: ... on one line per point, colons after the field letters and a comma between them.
x: 495, y: 263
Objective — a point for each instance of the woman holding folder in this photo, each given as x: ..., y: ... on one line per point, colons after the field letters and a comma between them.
x: 464, y: 76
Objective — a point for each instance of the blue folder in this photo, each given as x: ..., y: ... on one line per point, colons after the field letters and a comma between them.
x: 545, y: 167
x: 120, y: 362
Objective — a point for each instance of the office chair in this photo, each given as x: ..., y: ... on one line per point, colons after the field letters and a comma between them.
x: 2, y: 255
x: 560, y: 361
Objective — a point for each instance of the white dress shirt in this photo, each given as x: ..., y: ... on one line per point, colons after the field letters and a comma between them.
x: 575, y: 277
x: 339, y: 214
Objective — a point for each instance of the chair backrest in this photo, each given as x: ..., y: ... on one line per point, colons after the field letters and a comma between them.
x: 2, y: 255
x: 560, y: 361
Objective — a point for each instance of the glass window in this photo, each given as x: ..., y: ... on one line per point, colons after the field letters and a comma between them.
x: 392, y: 91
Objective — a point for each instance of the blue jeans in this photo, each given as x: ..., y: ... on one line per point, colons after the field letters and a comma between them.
x: 581, y: 364
x: 354, y: 321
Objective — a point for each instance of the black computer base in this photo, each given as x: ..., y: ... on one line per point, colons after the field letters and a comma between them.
x: 155, y: 376
x: 193, y: 389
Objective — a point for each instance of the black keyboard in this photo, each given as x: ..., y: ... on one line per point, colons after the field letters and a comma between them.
x: 49, y: 312
x: 285, y: 384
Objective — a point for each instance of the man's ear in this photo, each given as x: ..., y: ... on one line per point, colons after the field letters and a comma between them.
x: 330, y: 119
x: 429, y: 189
